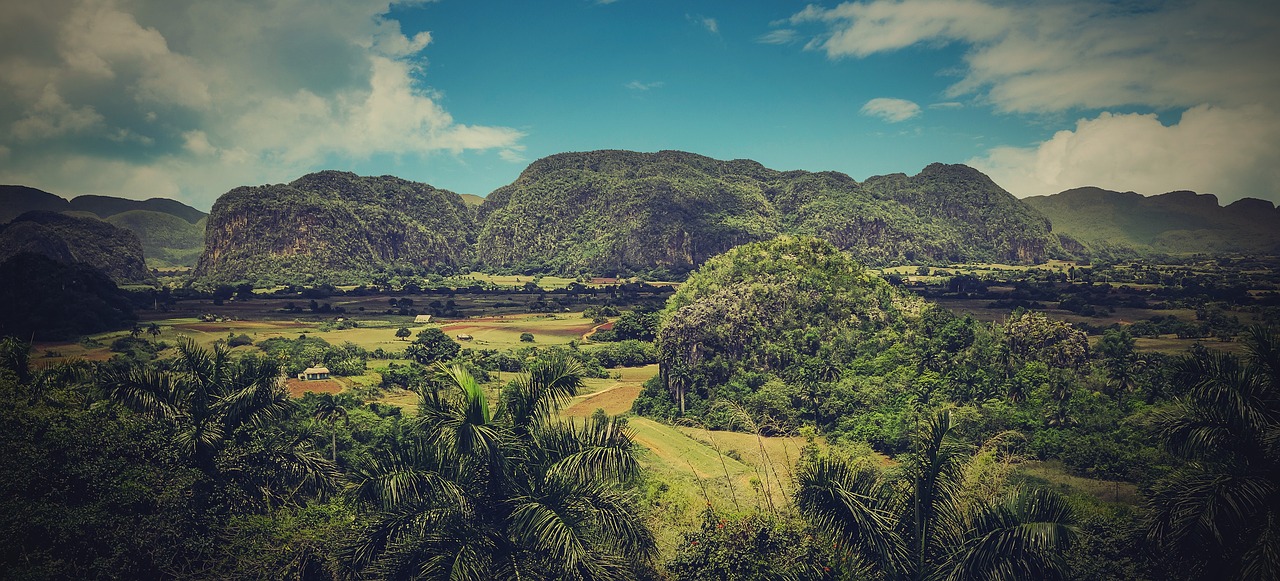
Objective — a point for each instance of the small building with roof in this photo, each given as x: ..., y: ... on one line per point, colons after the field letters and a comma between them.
x: 314, y: 373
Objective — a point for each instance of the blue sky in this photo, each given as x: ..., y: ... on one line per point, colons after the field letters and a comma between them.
x: 143, y: 98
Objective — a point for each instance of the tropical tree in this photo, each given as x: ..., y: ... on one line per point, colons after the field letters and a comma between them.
x: 403, y: 333
x: 1220, y: 512
x: 511, y: 493
x: 926, y: 522
x: 228, y: 416
x: 329, y: 409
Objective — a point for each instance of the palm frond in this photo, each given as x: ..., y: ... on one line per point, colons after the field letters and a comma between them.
x: 145, y: 391
x: 1022, y: 537
x: 847, y: 502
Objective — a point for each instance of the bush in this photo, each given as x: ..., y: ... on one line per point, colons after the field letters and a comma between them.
x: 239, y: 340
x: 526, y: 337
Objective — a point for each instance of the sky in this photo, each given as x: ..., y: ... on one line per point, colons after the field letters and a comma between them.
x: 185, y: 99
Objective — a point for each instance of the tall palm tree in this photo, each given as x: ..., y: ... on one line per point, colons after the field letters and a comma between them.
x: 1221, y: 510
x: 328, y: 409
x: 917, y: 524
x: 215, y: 402
x: 512, y: 493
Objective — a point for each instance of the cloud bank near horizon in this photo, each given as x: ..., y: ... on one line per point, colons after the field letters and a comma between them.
x: 1118, y: 63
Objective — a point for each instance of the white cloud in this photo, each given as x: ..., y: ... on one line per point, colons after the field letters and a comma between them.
x: 1054, y: 56
x: 156, y: 98
x: 710, y: 24
x: 1214, y: 61
x: 947, y: 105
x: 641, y: 86
x: 891, y: 110
x: 51, y: 116
x: 1230, y: 152
x: 779, y: 36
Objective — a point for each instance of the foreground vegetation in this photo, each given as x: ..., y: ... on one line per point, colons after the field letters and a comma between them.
x: 834, y: 426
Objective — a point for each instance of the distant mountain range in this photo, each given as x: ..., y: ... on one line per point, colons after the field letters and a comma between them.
x: 171, y: 233
x: 70, y: 239
x: 621, y: 212
x: 611, y: 212
x: 1173, y: 223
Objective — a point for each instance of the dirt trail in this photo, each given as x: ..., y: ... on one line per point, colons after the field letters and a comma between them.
x: 602, y: 326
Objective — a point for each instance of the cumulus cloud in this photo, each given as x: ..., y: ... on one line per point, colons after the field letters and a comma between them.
x: 1213, y: 61
x: 1052, y: 56
x: 154, y: 98
x: 1230, y: 152
x: 891, y: 110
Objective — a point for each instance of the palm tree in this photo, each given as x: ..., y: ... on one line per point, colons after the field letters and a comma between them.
x: 919, y: 524
x: 216, y: 402
x: 328, y: 409
x: 1221, y: 510
x: 512, y: 494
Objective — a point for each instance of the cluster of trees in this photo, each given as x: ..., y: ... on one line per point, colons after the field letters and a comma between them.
x: 203, y: 467
x: 295, y: 355
x: 873, y: 365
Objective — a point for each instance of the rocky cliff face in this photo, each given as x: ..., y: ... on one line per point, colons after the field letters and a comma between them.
x: 332, y: 225
x: 115, y: 251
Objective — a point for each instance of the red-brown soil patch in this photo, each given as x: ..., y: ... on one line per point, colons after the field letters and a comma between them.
x: 297, y: 387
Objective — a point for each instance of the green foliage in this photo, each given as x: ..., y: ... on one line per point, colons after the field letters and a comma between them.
x: 1218, y: 513
x: 792, y: 308
x: 67, y: 239
x: 481, y: 495
x: 526, y: 337
x: 629, y: 353
x: 167, y: 240
x: 1177, y: 222
x: 930, y: 519
x: 669, y: 211
x: 298, y: 354
x: 754, y: 546
x: 58, y: 301
x: 431, y: 346
x: 347, y: 228
x: 636, y: 325
x: 239, y: 341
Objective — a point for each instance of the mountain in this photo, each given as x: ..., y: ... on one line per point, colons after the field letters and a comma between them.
x: 620, y: 211
x: 1176, y: 222
x: 108, y: 206
x: 611, y: 211
x: 115, y: 251
x: 332, y: 225
x: 172, y: 233
x: 167, y: 239
x: 18, y: 200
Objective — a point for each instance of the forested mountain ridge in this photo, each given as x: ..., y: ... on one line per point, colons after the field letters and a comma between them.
x: 334, y: 224
x: 618, y: 211
x: 172, y: 233
x: 115, y: 251
x: 615, y: 211
x: 1175, y: 222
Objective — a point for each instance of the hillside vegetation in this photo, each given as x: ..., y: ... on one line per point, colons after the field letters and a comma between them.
x: 334, y: 225
x: 672, y: 210
x: 172, y: 233
x: 115, y: 251
x: 1176, y: 222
